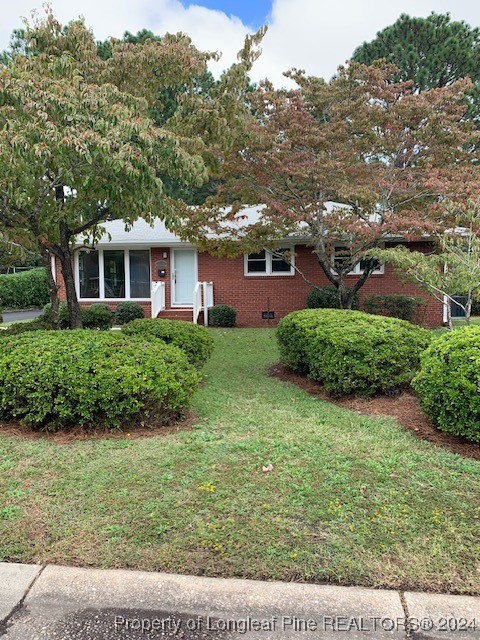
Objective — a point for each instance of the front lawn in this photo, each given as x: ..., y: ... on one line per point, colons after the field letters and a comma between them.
x: 351, y: 499
x: 460, y: 322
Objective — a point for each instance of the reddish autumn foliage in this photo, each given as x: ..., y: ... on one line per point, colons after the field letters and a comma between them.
x: 384, y: 153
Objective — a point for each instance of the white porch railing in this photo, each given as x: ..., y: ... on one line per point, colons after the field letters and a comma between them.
x: 202, y: 300
x: 207, y: 300
x: 197, y: 301
x: 158, y: 298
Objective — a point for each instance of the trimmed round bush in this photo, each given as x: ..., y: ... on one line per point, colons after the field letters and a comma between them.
x: 97, y: 316
x: 350, y: 352
x: 326, y: 298
x: 195, y: 341
x: 295, y: 333
x: 448, y: 382
x: 128, y: 311
x: 58, y: 379
x: 221, y: 315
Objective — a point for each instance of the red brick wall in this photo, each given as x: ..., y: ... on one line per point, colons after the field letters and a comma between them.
x: 250, y: 295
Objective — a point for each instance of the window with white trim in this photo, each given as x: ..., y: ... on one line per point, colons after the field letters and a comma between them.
x: 88, y: 274
x: 342, y: 254
x: 270, y: 262
x: 113, y: 274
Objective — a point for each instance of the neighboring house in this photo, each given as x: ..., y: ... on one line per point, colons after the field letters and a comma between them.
x: 170, y: 278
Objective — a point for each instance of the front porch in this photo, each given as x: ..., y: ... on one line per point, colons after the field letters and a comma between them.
x: 202, y: 301
x: 162, y: 280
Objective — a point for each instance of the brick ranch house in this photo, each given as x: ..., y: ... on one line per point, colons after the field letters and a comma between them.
x: 170, y: 278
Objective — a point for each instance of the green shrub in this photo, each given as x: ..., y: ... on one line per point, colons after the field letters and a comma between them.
x: 97, y: 316
x: 326, y: 298
x: 394, y: 305
x: 195, y: 341
x: 221, y: 315
x: 63, y: 315
x: 128, y: 311
x: 350, y: 352
x: 24, y: 327
x: 57, y: 379
x: 294, y: 334
x: 448, y: 382
x: 24, y: 290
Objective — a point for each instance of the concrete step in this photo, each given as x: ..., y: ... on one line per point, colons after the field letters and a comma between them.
x: 177, y: 314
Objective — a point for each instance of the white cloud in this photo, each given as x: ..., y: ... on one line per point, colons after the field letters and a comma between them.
x: 319, y: 35
x: 316, y: 35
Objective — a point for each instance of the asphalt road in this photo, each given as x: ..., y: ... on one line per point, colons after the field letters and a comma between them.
x: 16, y: 316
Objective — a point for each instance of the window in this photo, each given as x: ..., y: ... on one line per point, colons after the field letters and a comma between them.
x: 278, y: 264
x: 342, y: 254
x: 270, y: 263
x: 257, y: 262
x: 139, y: 274
x: 365, y: 263
x: 88, y: 274
x: 114, y: 274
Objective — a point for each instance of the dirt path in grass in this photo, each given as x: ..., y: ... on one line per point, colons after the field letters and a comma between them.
x: 404, y: 408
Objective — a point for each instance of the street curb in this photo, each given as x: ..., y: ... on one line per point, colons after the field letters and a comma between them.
x: 63, y: 596
x: 15, y: 582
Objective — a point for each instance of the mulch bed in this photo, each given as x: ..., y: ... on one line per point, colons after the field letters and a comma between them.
x: 100, y: 433
x: 404, y: 408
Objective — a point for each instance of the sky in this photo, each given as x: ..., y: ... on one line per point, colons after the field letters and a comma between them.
x: 315, y: 35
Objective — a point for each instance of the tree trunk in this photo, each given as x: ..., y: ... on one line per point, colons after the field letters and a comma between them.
x: 345, y: 296
x: 468, y: 308
x: 449, y: 315
x: 52, y: 285
x: 66, y: 261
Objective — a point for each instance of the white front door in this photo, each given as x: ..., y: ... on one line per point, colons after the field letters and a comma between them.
x: 184, y: 276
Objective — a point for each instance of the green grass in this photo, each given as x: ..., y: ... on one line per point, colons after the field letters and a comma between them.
x: 4, y: 325
x: 350, y: 500
x: 460, y: 322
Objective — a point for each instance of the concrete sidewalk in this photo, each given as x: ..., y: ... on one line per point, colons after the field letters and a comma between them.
x: 61, y: 603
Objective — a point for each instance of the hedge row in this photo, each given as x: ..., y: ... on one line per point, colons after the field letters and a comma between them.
x: 195, y: 341
x: 448, y: 382
x: 96, y: 316
x: 57, y: 379
x: 24, y: 290
x: 350, y: 352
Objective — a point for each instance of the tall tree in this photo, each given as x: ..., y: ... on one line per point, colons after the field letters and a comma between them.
x: 432, y: 52
x: 166, y: 104
x: 381, y: 151
x: 77, y: 144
